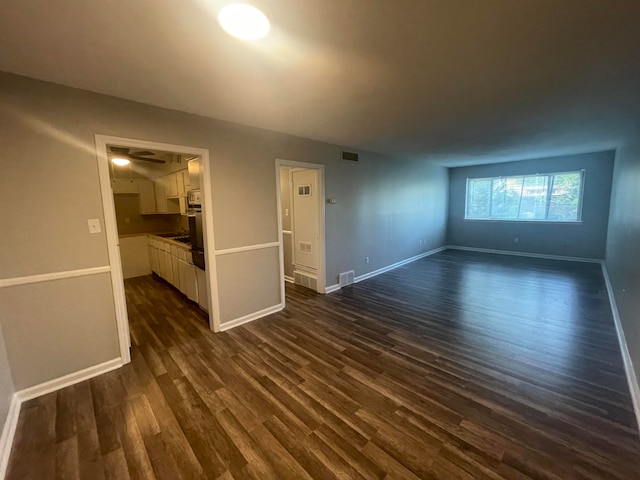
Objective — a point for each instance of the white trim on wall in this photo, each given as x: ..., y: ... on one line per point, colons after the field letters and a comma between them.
x: 393, y: 266
x: 632, y: 380
x: 111, y: 231
x: 8, y: 432
x: 287, y: 232
x: 47, y: 277
x: 332, y: 288
x: 525, y: 254
x: 365, y: 276
x: 21, y: 396
x: 251, y: 317
x: 209, y: 238
x: 289, y: 279
x: 322, y: 265
x: 68, y: 380
x: 248, y: 248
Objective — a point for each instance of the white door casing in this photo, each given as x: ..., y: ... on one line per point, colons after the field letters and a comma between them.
x: 108, y: 209
x: 320, y: 205
x: 305, y: 225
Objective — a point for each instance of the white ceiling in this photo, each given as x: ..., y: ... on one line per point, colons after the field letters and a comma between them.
x: 455, y: 81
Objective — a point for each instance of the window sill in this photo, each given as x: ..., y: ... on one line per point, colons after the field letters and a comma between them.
x: 546, y: 222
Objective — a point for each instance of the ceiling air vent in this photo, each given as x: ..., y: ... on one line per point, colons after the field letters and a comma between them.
x: 350, y: 156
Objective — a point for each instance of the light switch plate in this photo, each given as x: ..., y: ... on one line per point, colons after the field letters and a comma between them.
x: 94, y: 225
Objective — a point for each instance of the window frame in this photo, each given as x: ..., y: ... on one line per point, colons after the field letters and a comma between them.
x: 582, y: 173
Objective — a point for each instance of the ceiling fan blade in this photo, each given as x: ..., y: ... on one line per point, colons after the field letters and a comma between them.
x: 145, y: 159
x: 119, y: 150
x: 143, y: 152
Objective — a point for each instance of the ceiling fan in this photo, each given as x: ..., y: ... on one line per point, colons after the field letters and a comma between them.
x: 140, y: 155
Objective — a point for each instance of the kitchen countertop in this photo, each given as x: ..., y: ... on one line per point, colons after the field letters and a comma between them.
x: 171, y: 240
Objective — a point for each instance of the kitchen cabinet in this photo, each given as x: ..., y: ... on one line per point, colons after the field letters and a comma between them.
x: 147, y: 197
x: 164, y: 204
x: 124, y: 185
x: 168, y: 267
x: 133, y: 256
x: 182, y: 201
x: 176, y: 184
x: 161, y: 199
x: 174, y: 267
x: 170, y: 185
x: 173, y: 262
x: 191, y: 281
x: 153, y: 257
x: 183, y: 182
x: 203, y: 297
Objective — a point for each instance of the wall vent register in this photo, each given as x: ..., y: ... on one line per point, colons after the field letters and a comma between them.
x: 304, y: 190
x: 346, y: 278
x: 350, y: 156
x: 304, y: 247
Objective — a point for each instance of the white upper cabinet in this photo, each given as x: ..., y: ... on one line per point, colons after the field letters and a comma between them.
x: 124, y: 185
x: 185, y: 181
x: 147, y: 196
x: 161, y: 199
x: 176, y: 184
x: 170, y: 185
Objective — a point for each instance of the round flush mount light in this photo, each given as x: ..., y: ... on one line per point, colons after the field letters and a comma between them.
x: 243, y: 21
x: 121, y: 162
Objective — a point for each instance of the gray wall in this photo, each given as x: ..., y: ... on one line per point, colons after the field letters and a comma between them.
x: 6, y: 383
x: 385, y: 205
x: 623, y: 245
x: 585, y: 239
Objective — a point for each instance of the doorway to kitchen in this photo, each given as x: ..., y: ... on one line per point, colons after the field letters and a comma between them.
x: 157, y: 209
x: 300, y: 188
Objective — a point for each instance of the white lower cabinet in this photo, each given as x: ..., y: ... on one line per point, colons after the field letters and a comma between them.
x: 173, y: 263
x: 182, y: 274
x: 188, y: 280
x: 176, y: 272
x: 168, y: 268
x: 203, y: 299
x: 156, y: 260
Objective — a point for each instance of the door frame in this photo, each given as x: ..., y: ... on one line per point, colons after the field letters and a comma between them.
x: 111, y: 231
x: 321, y: 278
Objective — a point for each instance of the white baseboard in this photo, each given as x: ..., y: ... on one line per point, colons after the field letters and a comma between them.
x: 8, y: 432
x: 379, y: 271
x: 251, y: 317
x: 11, y: 422
x: 525, y: 254
x: 632, y: 380
x: 289, y: 279
x: 68, y: 380
x: 332, y: 288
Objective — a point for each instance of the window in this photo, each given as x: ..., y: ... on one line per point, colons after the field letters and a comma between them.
x: 553, y: 197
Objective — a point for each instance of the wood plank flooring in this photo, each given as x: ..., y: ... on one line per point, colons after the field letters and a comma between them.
x: 457, y: 366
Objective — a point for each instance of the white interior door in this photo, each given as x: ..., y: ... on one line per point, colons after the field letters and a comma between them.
x: 306, y: 232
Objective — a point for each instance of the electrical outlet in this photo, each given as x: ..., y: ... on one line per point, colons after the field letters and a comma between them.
x: 94, y: 225
x: 366, y: 259
x: 516, y: 239
x: 127, y: 220
x: 286, y: 212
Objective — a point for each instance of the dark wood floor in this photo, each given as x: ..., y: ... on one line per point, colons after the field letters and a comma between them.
x: 457, y: 366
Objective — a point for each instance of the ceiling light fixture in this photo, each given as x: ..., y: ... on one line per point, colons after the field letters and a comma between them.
x: 121, y: 162
x: 243, y: 21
